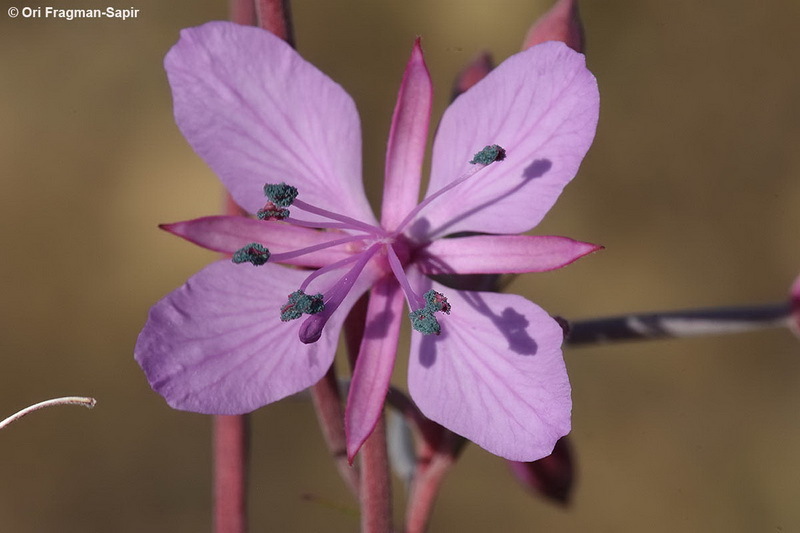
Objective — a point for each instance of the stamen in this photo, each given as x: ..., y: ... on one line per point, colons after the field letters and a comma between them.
x: 280, y: 194
x: 481, y: 160
x: 414, y: 300
x: 423, y: 320
x: 354, y: 223
x: 488, y: 155
x: 272, y: 212
x: 437, y: 301
x: 327, y: 268
x: 252, y: 253
x: 278, y: 258
x: 311, y: 330
x: 301, y: 303
x: 325, y: 225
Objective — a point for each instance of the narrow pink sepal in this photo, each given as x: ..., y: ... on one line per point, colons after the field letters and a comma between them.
x: 408, y: 137
x: 561, y: 23
x: 374, y: 365
x: 228, y: 234
x: 503, y: 254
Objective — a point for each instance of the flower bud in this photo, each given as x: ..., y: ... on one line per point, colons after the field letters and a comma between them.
x: 561, y: 23
x: 551, y: 477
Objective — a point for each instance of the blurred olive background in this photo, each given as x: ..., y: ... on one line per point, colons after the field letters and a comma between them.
x: 692, y: 185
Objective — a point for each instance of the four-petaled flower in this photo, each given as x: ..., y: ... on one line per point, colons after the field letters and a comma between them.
x: 487, y: 366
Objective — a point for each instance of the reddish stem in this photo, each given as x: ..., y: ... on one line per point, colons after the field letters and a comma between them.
x: 230, y: 473
x: 376, y: 488
x: 328, y: 406
x: 275, y: 16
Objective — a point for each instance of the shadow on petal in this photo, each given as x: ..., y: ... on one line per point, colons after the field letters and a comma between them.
x: 537, y: 169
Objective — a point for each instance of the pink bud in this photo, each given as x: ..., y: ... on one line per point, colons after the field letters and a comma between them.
x: 474, y: 72
x: 561, y: 23
x: 551, y: 477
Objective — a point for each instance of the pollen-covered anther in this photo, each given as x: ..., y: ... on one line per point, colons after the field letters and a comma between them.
x: 280, y: 194
x: 270, y: 211
x: 423, y: 321
x: 301, y: 303
x: 253, y: 253
x: 489, y: 155
x: 436, y: 301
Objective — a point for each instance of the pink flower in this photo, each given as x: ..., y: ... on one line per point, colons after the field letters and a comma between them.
x: 256, y: 112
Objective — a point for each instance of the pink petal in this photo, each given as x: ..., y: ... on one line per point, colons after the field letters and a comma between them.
x: 227, y: 234
x: 495, y: 375
x: 541, y: 105
x: 374, y: 365
x: 408, y: 138
x: 561, y: 23
x: 217, y: 345
x: 502, y: 254
x: 257, y: 112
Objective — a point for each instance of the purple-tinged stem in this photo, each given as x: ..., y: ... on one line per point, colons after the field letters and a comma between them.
x: 230, y: 473
x: 328, y: 406
x: 678, y: 324
x: 231, y: 456
x: 376, y: 483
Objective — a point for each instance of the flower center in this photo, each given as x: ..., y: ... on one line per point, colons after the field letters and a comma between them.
x: 395, y: 247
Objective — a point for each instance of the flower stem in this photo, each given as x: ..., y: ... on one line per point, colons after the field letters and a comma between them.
x: 328, y: 406
x: 67, y: 400
x: 376, y: 488
x: 231, y: 437
x: 677, y: 324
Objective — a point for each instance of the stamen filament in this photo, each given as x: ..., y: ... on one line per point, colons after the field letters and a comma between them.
x: 415, y: 301
x: 310, y: 249
x: 424, y: 203
x: 354, y: 224
x: 311, y: 330
x: 327, y: 268
x: 325, y: 225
